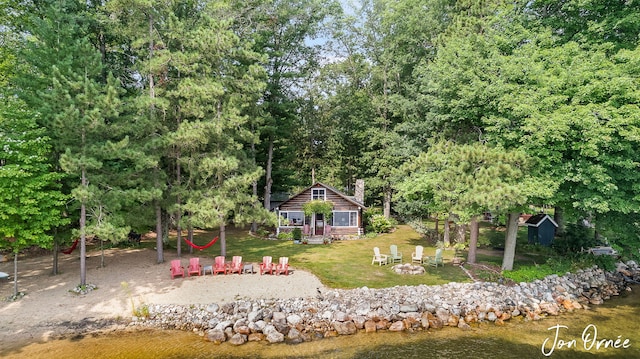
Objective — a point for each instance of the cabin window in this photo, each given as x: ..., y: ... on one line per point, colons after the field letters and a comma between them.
x: 345, y: 218
x: 292, y: 218
x: 318, y: 193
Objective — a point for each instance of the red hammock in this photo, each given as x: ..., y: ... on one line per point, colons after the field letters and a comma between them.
x: 69, y: 250
x: 201, y: 247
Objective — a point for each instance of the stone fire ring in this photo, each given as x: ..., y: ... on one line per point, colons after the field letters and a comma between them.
x: 408, y: 268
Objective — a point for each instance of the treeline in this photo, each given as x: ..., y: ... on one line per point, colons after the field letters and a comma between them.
x: 131, y: 114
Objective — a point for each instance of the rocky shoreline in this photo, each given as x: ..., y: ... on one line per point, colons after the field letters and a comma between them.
x: 401, y: 308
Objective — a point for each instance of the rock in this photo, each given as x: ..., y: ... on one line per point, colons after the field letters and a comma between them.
x: 359, y: 321
x: 256, y: 337
x: 369, y: 326
x: 294, y: 319
x: 274, y: 337
x: 216, y: 336
x: 397, y: 326
x: 294, y: 336
x: 462, y: 325
x: 238, y: 339
x: 345, y: 328
x: 549, y: 308
x: 408, y: 308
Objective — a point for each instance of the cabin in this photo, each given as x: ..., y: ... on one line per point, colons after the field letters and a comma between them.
x: 346, y: 219
x: 541, y: 229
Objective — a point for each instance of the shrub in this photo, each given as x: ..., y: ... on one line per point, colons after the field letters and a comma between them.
x: 285, y: 235
x: 380, y: 224
x: 296, y: 234
x: 575, y: 238
x: 538, y: 271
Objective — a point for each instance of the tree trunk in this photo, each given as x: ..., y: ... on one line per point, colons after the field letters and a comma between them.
x: 447, y: 236
x: 386, y: 202
x: 159, y: 243
x: 474, y: 231
x: 179, y: 211
x: 15, y: 274
x: 461, y: 234
x: 268, y: 179
x: 56, y: 252
x: 254, y: 187
x: 83, y: 235
x: 510, y: 241
x: 223, y: 239
x: 437, y: 224
x: 558, y: 217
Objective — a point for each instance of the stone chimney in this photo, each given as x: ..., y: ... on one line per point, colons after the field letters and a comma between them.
x: 359, y: 192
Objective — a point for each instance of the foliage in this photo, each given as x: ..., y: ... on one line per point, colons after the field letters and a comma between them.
x: 380, y: 224
x: 296, y: 234
x: 576, y: 238
x: 285, y: 235
x: 539, y: 271
x: 318, y: 206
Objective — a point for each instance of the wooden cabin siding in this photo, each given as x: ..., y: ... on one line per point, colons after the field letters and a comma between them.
x: 340, y: 203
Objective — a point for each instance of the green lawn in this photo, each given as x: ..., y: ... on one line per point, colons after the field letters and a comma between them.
x: 347, y: 264
x: 341, y: 264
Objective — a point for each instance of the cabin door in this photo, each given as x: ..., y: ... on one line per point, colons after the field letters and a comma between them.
x: 319, y: 227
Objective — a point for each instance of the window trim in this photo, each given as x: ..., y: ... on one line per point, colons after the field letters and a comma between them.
x: 355, y: 218
x: 281, y: 215
x: 320, y: 191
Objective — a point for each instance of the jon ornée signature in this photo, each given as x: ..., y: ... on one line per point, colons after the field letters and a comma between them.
x: 589, y: 341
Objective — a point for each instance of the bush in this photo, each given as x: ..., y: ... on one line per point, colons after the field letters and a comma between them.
x: 296, y: 234
x: 285, y: 235
x: 380, y: 224
x: 538, y: 271
x: 575, y: 238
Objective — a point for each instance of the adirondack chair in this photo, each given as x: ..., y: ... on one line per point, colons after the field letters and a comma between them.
x: 267, y: 266
x: 219, y: 265
x: 283, y: 266
x: 437, y: 259
x: 176, y: 268
x: 194, y: 266
x: 236, y: 265
x: 395, y: 256
x: 379, y: 258
x: 417, y: 255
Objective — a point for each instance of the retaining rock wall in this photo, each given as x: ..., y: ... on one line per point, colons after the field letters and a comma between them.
x: 400, y: 308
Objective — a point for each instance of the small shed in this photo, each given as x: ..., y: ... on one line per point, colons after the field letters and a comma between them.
x: 542, y: 229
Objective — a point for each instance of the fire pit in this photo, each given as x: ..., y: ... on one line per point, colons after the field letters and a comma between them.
x: 408, y: 268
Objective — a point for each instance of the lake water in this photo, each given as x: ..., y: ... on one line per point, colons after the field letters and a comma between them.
x: 617, y: 319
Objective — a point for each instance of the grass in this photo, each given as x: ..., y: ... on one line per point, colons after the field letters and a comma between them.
x: 347, y: 264
x: 341, y: 264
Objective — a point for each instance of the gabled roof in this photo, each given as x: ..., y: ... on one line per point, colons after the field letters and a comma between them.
x: 538, y: 219
x: 332, y: 189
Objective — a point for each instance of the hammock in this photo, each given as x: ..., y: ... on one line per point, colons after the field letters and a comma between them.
x: 201, y: 247
x: 69, y: 250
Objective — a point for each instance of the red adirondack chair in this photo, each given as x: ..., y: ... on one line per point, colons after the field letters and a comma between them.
x: 236, y: 265
x: 266, y: 266
x: 219, y: 266
x: 194, y: 266
x: 176, y: 268
x: 283, y: 266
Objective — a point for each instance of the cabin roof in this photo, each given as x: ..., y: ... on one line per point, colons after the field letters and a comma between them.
x: 350, y: 199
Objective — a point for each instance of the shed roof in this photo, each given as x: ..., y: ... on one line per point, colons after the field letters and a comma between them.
x: 332, y: 189
x: 538, y: 219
